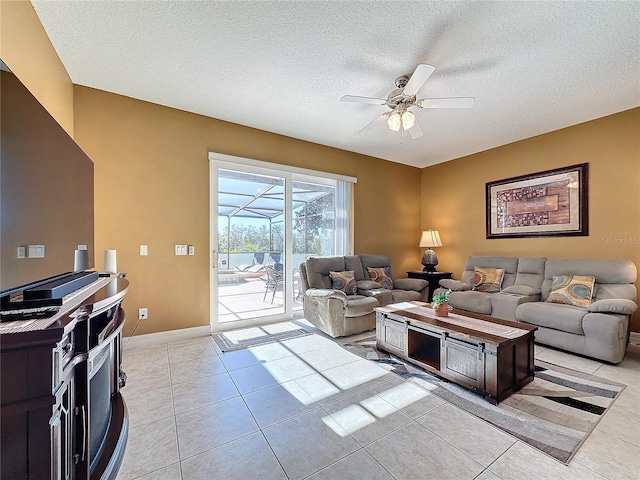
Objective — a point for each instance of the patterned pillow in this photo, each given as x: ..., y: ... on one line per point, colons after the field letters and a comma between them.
x: 572, y: 290
x: 382, y: 276
x: 488, y: 279
x: 345, y: 281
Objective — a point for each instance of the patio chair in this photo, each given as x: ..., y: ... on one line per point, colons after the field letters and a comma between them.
x: 256, y: 266
x: 274, y: 280
x: 276, y: 256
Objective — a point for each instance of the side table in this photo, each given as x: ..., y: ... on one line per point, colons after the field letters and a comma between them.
x: 432, y: 277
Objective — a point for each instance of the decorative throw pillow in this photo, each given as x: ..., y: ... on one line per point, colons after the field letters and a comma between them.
x: 345, y: 281
x: 382, y: 276
x: 487, y: 279
x: 572, y: 290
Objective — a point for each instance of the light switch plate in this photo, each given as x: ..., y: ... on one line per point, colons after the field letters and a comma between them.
x: 181, y: 249
x: 36, y: 251
x: 144, y: 250
x: 22, y: 252
x: 192, y: 250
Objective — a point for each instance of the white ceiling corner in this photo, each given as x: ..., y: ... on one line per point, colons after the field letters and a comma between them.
x: 533, y: 67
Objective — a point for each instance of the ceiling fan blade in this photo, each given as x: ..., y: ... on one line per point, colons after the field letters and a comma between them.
x: 416, y: 131
x: 354, y: 98
x: 371, y: 125
x: 418, y: 78
x: 451, y: 102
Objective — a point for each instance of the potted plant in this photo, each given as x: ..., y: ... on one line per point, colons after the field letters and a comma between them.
x: 440, y: 303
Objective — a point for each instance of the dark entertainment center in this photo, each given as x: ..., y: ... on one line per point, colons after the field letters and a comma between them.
x: 63, y: 416
x: 61, y: 411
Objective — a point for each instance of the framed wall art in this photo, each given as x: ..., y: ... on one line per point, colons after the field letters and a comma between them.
x: 550, y: 203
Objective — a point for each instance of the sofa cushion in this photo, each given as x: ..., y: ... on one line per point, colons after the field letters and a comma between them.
x: 614, y: 278
x: 508, y: 264
x: 352, y: 262
x: 375, y: 261
x: 488, y: 279
x: 566, y: 318
x: 382, y: 295
x: 415, y: 284
x: 382, y: 276
x: 525, y: 290
x: 405, y: 296
x: 531, y: 272
x: 572, y: 290
x: 344, y: 281
x: 455, y: 285
x: 367, y: 285
x: 478, y: 302
x: 318, y: 269
x: 357, y: 306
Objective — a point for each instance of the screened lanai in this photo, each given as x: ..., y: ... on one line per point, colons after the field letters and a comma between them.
x: 251, y: 218
x: 251, y: 237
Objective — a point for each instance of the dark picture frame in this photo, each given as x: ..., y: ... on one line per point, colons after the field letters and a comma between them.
x: 553, y: 203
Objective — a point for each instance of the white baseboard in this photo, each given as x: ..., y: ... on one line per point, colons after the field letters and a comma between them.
x: 166, y: 337
x: 634, y: 338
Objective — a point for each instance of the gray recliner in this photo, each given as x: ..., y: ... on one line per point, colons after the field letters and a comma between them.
x: 338, y: 314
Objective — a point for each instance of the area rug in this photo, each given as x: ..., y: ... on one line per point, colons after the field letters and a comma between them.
x: 555, y: 413
x: 255, y: 336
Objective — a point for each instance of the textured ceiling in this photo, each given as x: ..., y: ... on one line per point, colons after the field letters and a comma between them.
x: 533, y: 67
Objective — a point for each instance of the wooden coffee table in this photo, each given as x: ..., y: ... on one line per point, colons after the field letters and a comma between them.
x: 490, y: 356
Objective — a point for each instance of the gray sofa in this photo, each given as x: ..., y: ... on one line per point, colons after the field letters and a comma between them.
x: 522, y: 283
x: 337, y: 313
x: 600, y: 330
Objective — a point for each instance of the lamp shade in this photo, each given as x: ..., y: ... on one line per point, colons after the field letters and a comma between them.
x: 393, y: 122
x: 430, y: 238
x: 408, y: 120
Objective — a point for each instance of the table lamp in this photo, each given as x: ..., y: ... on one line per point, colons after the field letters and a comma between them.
x: 430, y: 238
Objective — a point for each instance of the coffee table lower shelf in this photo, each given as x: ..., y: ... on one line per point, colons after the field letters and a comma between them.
x: 493, y: 367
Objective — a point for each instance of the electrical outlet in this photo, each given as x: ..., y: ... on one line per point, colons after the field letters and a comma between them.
x: 143, y: 313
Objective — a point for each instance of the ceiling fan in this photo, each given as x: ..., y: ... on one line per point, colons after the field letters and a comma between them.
x: 400, y: 118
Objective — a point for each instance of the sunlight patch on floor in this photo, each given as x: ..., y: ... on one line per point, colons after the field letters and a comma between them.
x: 404, y: 394
x: 349, y: 420
x: 378, y: 407
x: 317, y: 386
x: 297, y: 392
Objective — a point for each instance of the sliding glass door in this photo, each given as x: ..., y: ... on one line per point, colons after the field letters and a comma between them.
x: 251, y: 245
x: 265, y: 221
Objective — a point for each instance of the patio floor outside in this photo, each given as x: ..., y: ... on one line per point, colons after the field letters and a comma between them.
x: 243, y: 297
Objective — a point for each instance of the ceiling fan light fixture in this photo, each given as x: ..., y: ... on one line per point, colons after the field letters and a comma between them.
x: 408, y: 120
x: 394, y: 122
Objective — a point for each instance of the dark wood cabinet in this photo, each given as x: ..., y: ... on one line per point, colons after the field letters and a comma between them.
x: 50, y: 384
x: 432, y: 277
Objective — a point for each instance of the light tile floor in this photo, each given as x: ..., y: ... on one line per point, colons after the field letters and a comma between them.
x: 306, y: 408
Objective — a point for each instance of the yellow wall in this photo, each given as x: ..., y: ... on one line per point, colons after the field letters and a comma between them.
x: 453, y: 194
x: 152, y: 187
x: 27, y: 51
x: 152, y: 183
